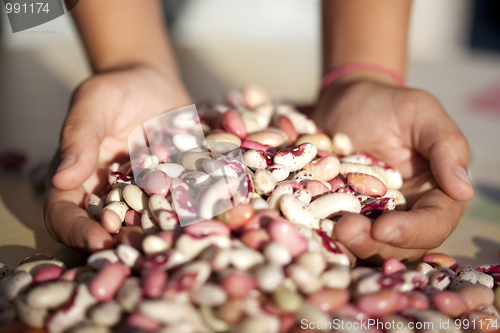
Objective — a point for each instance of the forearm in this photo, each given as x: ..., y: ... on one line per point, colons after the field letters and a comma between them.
x: 365, y: 31
x: 122, y: 33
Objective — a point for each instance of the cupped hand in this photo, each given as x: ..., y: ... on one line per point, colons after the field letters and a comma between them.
x: 409, y: 130
x: 104, y: 111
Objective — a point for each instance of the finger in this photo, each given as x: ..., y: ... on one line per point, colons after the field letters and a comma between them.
x: 439, y: 139
x: 431, y: 220
x: 71, y: 225
x: 354, y: 231
x: 81, y: 136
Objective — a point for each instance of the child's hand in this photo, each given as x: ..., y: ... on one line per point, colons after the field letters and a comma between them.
x: 104, y: 111
x: 409, y: 130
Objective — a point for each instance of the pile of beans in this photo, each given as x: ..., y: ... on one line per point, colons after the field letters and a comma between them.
x: 238, y: 238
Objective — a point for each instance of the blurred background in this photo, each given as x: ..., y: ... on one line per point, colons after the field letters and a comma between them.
x: 454, y: 53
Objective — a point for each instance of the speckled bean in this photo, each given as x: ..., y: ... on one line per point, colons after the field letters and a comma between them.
x: 342, y: 144
x: 335, y: 204
x: 94, y: 205
x: 218, y: 170
x: 156, y: 182
x: 264, y: 181
x: 297, y: 212
x: 14, y: 284
x: 297, y: 157
x: 303, y: 195
x: 173, y: 170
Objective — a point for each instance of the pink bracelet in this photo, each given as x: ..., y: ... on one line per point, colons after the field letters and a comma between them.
x: 338, y: 72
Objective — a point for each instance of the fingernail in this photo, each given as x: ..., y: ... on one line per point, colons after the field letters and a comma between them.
x: 463, y: 175
x: 357, y: 240
x: 393, y: 236
x: 67, y: 161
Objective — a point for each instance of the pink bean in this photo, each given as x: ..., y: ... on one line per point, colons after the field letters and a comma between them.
x: 403, y: 303
x: 484, y: 322
x: 449, y: 303
x: 337, y: 183
x: 353, y: 312
x: 248, y: 144
x: 381, y: 303
x: 237, y: 217
x: 477, y: 296
x: 489, y: 268
x: 153, y: 282
x: 285, y: 232
x: 142, y: 322
x: 366, y: 184
x: 286, y: 125
x: 238, y: 284
x: 206, y: 228
x: 329, y: 300
x: 133, y: 218
x: 48, y: 273
x: 108, y: 280
x: 324, y: 168
x: 156, y: 182
x: 440, y: 259
x: 393, y: 265
x: 255, y: 239
x: 418, y: 300
x: 323, y: 153
x: 72, y: 274
x: 316, y: 188
x: 233, y: 123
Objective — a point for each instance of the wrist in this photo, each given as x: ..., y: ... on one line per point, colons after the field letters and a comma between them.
x: 365, y: 75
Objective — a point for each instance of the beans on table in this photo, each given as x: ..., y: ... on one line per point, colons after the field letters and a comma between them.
x: 238, y: 238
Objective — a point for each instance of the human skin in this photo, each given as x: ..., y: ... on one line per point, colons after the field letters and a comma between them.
x: 407, y: 128
x: 136, y: 78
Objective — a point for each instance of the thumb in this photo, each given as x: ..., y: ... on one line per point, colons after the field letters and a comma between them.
x: 79, y: 148
x: 447, y: 149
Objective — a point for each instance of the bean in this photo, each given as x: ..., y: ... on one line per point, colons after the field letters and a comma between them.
x: 238, y: 216
x: 335, y: 204
x: 449, y: 303
x: 393, y: 265
x: 94, y: 205
x: 132, y: 218
x: 14, y: 285
x: 297, y: 212
x: 366, y: 185
x: 320, y: 140
x: 297, y: 157
x: 206, y: 228
x: 173, y: 170
x: 279, y: 171
x: 153, y: 244
x: 306, y: 281
x: 337, y: 277
x: 342, y: 144
x: 191, y: 247
x: 156, y: 182
x: 209, y: 294
x: 218, y: 170
x: 286, y: 125
x: 317, y: 189
x: 231, y: 311
x: 287, y: 300
x: 347, y: 168
x: 129, y: 294
x: 140, y: 321
x: 277, y: 254
x: 264, y: 181
x: 477, y: 296
x: 303, y: 195
x: 48, y: 273
x: 269, y: 277
x: 50, y: 295
x: 255, y: 239
x: 249, y: 145
x: 238, y: 284
x: 119, y: 179
x: 313, y: 261
x: 254, y: 96
x: 245, y: 258
x: 73, y: 312
x: 100, y: 259
x: 107, y: 282
x: 233, y: 124
x: 380, y: 303
x: 440, y: 259
x: 329, y: 300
